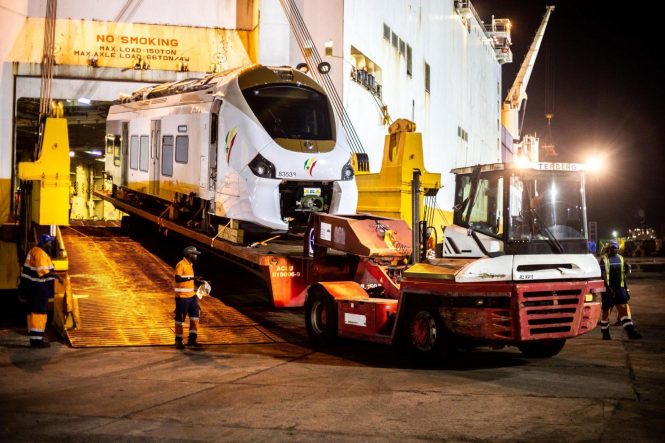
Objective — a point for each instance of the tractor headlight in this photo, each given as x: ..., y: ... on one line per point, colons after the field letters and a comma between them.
x: 262, y: 167
x: 347, y: 171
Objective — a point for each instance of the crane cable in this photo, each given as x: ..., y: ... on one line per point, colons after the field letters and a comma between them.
x: 309, y: 51
x: 307, y: 46
x: 549, y: 96
x: 47, y: 69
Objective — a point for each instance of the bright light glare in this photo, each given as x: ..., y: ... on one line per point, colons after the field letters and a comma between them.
x: 94, y: 152
x: 594, y: 163
x: 84, y: 100
x: 522, y: 162
x: 71, y: 153
x: 614, y: 234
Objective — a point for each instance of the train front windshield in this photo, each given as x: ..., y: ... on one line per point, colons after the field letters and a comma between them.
x: 292, y: 112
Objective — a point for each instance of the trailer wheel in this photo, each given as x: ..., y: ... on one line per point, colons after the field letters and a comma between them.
x: 542, y: 349
x: 320, y: 317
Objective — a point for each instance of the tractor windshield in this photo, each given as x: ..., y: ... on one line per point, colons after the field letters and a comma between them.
x: 531, y: 211
x: 547, y: 205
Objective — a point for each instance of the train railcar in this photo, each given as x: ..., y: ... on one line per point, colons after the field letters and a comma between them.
x: 258, y: 145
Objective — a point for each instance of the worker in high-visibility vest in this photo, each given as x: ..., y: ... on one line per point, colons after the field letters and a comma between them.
x: 613, y: 269
x: 37, y: 281
x: 186, y: 301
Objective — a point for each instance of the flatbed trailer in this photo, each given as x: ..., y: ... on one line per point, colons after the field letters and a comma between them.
x: 285, y: 265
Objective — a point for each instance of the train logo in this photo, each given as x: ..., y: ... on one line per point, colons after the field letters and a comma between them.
x: 309, y: 165
x: 230, y: 140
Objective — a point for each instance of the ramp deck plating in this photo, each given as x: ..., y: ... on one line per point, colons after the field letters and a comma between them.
x: 125, y: 297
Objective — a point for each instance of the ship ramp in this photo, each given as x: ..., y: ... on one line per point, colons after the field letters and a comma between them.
x: 125, y: 298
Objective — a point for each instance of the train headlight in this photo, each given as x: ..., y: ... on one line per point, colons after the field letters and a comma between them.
x: 347, y: 171
x: 262, y: 167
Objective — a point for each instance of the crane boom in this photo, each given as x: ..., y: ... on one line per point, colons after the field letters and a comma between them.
x: 517, y: 94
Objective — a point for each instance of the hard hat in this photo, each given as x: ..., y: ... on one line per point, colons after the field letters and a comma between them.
x: 191, y: 250
x: 44, y: 238
x: 614, y: 244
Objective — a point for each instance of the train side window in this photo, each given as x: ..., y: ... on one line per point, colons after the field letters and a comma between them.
x: 181, y: 148
x: 144, y: 152
x: 167, y: 155
x: 116, y: 150
x: 134, y: 152
x: 109, y: 144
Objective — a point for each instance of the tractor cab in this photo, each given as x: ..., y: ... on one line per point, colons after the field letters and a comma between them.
x: 512, y: 209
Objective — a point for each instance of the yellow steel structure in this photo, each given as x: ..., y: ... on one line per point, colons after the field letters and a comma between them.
x: 50, y: 207
x: 50, y: 172
x: 388, y: 193
x: 9, y: 268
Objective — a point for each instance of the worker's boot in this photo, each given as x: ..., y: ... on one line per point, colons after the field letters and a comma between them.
x: 632, y: 332
x: 193, y: 344
x: 605, y: 329
x: 179, y: 344
x: 193, y: 334
x: 39, y: 344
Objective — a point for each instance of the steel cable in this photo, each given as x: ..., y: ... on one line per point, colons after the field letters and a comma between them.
x: 303, y: 38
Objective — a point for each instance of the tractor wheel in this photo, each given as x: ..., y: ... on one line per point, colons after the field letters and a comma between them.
x: 542, y: 349
x: 426, y: 337
x: 320, y: 317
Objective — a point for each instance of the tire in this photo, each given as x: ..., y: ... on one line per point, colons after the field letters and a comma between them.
x: 425, y: 336
x: 542, y: 349
x: 320, y: 317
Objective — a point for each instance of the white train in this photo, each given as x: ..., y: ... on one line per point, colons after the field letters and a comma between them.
x: 259, y: 145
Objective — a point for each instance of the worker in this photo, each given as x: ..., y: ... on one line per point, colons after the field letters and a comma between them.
x: 37, y: 280
x: 186, y: 301
x: 430, y: 243
x: 613, y: 269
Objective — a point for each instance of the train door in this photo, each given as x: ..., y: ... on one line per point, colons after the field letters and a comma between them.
x: 124, y: 162
x: 155, y: 137
x: 213, y: 150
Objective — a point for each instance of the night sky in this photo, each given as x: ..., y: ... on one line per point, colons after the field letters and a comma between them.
x: 597, y: 72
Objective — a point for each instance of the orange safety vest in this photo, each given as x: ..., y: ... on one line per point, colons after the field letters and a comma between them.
x: 37, y: 265
x: 184, y: 289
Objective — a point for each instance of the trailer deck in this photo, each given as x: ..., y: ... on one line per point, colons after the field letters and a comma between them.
x: 281, y: 263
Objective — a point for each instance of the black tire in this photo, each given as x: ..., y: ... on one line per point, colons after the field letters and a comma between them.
x: 425, y: 336
x: 320, y: 317
x: 542, y: 349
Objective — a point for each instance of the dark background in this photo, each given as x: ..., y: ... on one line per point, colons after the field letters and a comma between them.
x: 598, y: 73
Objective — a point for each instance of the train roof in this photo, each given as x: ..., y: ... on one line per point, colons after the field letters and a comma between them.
x: 247, y: 77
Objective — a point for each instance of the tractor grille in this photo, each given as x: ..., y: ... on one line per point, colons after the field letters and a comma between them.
x: 549, y: 313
